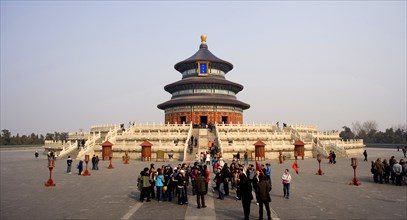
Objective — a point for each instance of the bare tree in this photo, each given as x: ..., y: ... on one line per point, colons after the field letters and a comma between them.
x: 357, y: 128
x: 369, y: 126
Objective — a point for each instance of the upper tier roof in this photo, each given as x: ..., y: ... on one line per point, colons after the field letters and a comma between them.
x: 203, y: 54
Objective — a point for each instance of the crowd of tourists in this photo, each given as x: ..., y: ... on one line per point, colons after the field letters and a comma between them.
x: 389, y: 171
x: 172, y: 183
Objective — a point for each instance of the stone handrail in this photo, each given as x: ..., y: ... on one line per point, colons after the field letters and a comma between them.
x: 327, y: 135
x: 89, y: 146
x: 351, y: 143
x: 68, y: 149
x: 320, y: 147
x: 104, y: 126
x: 339, y: 149
x: 217, y: 135
x: 53, y: 142
x: 186, y: 142
x: 301, y: 127
x: 254, y: 135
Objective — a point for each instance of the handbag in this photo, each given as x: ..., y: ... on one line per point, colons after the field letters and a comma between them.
x: 165, y: 187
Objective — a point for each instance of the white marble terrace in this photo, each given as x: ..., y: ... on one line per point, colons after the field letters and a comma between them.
x: 231, y: 138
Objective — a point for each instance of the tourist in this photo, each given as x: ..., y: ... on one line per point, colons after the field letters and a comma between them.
x: 238, y: 156
x: 268, y: 172
x: 392, y: 161
x: 333, y: 157
x: 330, y: 157
x: 220, y: 182
x: 398, y: 170
x: 140, y: 183
x: 207, y: 178
x: 221, y: 160
x: 152, y: 174
x: 190, y: 149
x: 159, y: 184
x: 404, y: 151
x: 251, y: 172
x: 233, y: 172
x: 387, y: 171
x: 245, y: 193
x: 365, y: 155
x: 182, y: 183
x: 404, y: 171
x: 286, y: 179
x: 263, y: 191
x: 94, y: 162
x: 373, y: 170
x: 36, y: 154
x: 379, y: 170
x: 97, y: 163
x: 201, y: 158
x: 246, y: 158
x: 80, y: 167
x: 196, y: 157
x: 200, y: 190
x: 214, y: 162
x: 167, y: 183
x: 227, y: 177
x: 174, y: 182
x: 208, y: 158
x: 255, y: 181
x: 69, y: 164
x: 193, y: 173
x: 145, y: 192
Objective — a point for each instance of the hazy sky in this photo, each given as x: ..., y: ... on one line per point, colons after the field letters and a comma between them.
x: 69, y: 65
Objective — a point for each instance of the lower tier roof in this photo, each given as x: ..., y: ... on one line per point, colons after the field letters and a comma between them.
x: 203, y: 100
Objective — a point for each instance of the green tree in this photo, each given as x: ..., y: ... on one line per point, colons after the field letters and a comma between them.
x: 5, y: 137
x: 347, y: 133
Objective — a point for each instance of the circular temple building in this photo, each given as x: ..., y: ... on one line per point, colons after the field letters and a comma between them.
x: 203, y: 95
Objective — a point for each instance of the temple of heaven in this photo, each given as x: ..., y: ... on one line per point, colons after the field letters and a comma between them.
x: 203, y: 95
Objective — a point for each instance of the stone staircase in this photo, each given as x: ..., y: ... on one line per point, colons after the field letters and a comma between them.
x: 74, y: 154
x: 204, y: 136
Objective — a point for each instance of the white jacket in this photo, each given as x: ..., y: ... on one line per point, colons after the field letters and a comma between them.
x: 286, y: 178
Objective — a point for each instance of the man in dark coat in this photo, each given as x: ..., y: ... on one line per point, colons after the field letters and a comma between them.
x: 245, y: 192
x: 80, y: 167
x: 263, y: 189
x: 94, y: 162
x: 200, y: 189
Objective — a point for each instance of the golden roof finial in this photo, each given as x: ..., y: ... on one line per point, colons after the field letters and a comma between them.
x: 203, y: 39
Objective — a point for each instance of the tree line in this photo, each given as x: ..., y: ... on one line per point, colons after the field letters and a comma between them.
x: 368, y: 131
x: 6, y: 138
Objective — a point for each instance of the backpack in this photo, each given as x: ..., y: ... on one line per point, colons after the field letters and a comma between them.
x: 139, y: 182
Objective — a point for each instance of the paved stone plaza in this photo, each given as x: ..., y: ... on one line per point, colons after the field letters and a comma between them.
x: 113, y: 194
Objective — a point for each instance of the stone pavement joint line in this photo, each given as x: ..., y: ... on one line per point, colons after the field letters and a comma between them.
x: 132, y: 211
